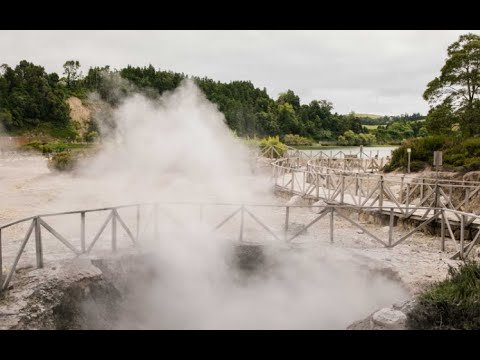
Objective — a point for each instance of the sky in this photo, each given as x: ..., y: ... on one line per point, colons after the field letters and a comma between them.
x: 378, y: 72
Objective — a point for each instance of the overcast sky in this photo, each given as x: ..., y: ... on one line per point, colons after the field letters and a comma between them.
x: 380, y: 72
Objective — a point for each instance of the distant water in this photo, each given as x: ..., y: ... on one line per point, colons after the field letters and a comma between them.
x: 382, y: 151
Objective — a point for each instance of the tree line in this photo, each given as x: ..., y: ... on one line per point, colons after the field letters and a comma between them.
x: 30, y: 96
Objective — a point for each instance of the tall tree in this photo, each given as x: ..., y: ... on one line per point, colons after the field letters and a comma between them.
x: 71, y: 72
x: 458, y: 85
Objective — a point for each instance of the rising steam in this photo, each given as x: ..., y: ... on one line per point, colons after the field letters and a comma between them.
x: 178, y: 148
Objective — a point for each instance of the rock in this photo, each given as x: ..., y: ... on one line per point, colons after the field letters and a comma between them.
x: 78, y: 293
x: 294, y: 200
x: 389, y: 318
x: 405, y: 306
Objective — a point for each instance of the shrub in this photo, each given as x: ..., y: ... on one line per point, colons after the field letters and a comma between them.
x: 275, y: 143
x: 297, y: 140
x: 91, y: 136
x: 456, y: 152
x: 450, y: 304
x: 350, y: 138
x: 63, y: 161
x: 472, y: 146
x: 417, y: 166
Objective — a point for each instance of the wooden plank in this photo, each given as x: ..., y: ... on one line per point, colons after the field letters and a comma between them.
x: 262, y: 224
x: 362, y: 228
x: 109, y: 217
x: 321, y: 215
x: 452, y: 236
x: 82, y: 231
x: 469, y: 247
x: 59, y: 237
x: 228, y: 218
x: 19, y: 254
x: 38, y: 243
x: 403, y: 238
x: 125, y: 227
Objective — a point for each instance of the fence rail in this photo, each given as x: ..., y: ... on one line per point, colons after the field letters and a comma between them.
x: 311, y: 179
x: 442, y: 217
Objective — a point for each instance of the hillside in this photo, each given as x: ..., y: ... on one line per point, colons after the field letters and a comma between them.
x: 368, y: 116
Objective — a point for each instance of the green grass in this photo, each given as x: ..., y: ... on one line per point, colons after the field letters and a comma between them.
x: 450, y: 304
x: 371, y: 127
x: 55, y: 146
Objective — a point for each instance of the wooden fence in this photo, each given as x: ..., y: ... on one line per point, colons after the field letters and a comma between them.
x: 36, y: 224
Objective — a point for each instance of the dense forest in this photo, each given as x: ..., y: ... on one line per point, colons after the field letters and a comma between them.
x: 31, y: 98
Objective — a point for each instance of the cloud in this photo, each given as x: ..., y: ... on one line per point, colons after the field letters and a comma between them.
x: 370, y: 65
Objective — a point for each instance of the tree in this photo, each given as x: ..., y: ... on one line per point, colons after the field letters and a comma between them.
x: 71, y: 72
x: 441, y: 119
x: 459, y: 83
x: 287, y: 119
x: 289, y: 97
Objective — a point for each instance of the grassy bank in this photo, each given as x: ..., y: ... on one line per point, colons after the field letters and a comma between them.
x: 458, y: 154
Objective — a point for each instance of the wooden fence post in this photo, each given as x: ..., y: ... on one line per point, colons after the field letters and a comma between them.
x: 38, y: 243
x: 292, y: 186
x: 342, y: 194
x: 356, y: 184
x: 82, y: 231
x: 114, y: 230
x: 401, y: 189
x: 331, y: 225
x: 390, y: 229
x: 442, y: 231
x: 380, y: 196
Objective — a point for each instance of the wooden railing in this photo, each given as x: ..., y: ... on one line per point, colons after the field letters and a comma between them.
x: 441, y: 217
x: 403, y: 192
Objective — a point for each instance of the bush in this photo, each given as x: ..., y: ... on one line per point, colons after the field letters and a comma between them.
x: 455, y: 152
x: 91, y: 136
x: 63, y: 161
x: 451, y: 304
x: 352, y: 139
x: 273, y: 142
x: 417, y: 166
x: 297, y: 140
x: 472, y: 146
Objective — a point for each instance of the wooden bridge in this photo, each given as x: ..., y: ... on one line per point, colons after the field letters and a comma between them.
x: 451, y: 204
x: 353, y: 187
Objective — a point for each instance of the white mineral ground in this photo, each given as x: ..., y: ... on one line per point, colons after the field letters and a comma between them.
x: 28, y: 187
